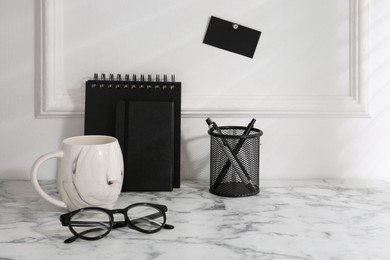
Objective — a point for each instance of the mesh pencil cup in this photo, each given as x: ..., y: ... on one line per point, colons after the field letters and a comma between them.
x: 234, y: 161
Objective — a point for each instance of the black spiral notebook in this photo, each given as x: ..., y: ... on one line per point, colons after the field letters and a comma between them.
x: 144, y: 114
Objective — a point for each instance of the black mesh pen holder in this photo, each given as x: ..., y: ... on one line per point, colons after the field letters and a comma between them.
x: 234, y: 161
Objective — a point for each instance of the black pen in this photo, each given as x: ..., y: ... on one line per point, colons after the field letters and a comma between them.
x: 236, y: 149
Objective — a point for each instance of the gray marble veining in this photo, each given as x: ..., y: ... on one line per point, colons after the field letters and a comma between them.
x: 314, y: 219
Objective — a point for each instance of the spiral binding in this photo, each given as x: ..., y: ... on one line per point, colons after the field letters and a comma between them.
x: 134, y: 83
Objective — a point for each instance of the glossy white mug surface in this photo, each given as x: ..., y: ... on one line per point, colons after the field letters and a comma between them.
x: 89, y: 172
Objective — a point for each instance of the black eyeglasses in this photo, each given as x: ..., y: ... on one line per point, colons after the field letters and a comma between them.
x: 95, y: 223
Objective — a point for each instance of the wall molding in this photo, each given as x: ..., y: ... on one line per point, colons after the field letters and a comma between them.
x: 56, y: 103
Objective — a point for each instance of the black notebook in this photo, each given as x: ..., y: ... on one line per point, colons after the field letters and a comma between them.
x: 145, y: 116
x: 148, y: 134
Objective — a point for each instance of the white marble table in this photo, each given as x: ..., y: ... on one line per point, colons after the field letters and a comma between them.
x: 287, y: 220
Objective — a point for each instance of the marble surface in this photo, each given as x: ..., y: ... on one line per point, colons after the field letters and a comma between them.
x: 316, y: 219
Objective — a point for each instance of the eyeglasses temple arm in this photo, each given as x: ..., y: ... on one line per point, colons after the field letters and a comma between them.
x: 168, y: 226
x: 123, y: 224
x: 156, y: 215
x: 118, y: 224
x: 70, y: 240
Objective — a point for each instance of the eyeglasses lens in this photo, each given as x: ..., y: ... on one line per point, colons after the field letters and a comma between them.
x: 91, y: 223
x: 146, y: 218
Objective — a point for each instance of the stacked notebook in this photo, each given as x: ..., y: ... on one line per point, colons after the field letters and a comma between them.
x: 145, y: 116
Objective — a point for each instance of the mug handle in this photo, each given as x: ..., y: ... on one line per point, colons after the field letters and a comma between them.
x: 34, y: 179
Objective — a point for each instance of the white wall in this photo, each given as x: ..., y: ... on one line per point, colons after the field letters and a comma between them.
x: 291, y: 147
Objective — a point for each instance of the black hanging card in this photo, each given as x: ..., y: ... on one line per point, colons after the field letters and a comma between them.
x: 232, y: 37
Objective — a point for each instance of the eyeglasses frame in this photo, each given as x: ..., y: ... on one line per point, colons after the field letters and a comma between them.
x: 66, y: 219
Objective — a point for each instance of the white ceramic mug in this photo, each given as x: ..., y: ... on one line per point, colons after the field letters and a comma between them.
x: 89, y: 172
